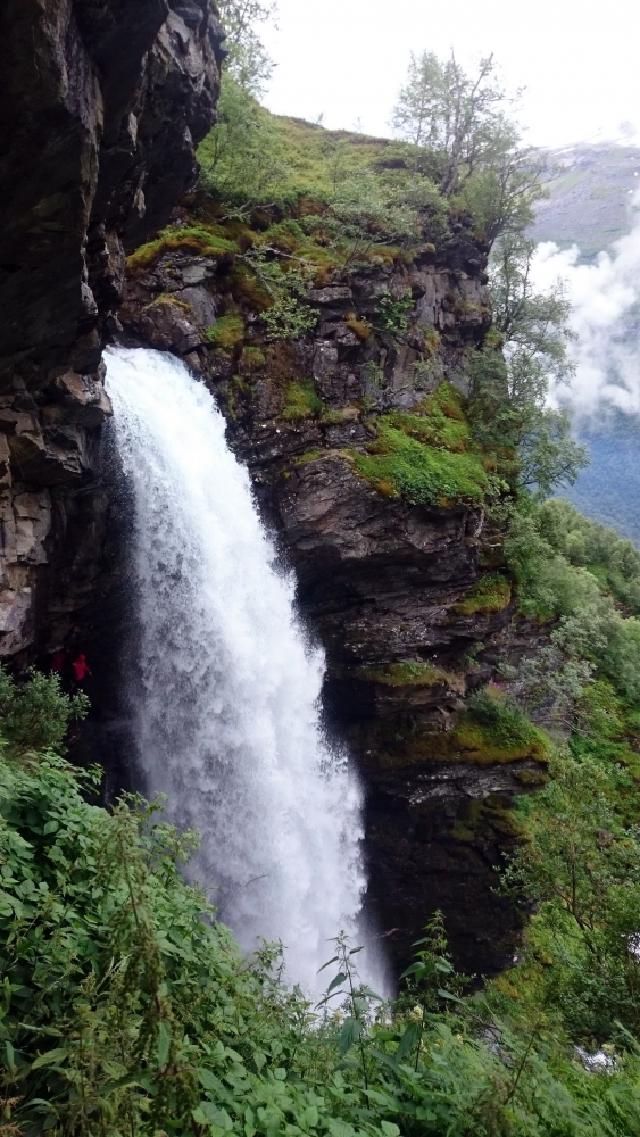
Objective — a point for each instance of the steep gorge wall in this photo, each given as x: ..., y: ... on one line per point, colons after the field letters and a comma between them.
x: 388, y: 586
x: 101, y: 105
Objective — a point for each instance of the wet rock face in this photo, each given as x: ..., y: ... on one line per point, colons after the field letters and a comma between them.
x: 101, y: 105
x: 379, y: 580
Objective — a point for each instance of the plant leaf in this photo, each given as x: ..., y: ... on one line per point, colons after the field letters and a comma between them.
x: 349, y: 1034
x: 163, y: 1044
x: 51, y: 1058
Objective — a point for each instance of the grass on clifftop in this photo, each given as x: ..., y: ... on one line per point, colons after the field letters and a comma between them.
x: 304, y: 160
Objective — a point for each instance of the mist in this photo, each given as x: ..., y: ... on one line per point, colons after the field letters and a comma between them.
x: 605, y: 320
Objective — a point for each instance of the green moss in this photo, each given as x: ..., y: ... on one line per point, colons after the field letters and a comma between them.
x: 287, y: 236
x: 168, y: 299
x: 491, y: 594
x: 301, y: 401
x: 531, y: 778
x: 401, y: 466
x: 411, y: 673
x: 248, y: 290
x: 227, y: 332
x: 482, y: 816
x: 494, y: 729
x: 434, y: 429
x: 427, y: 455
x: 439, y: 420
x: 207, y: 241
x: 310, y: 456
x: 252, y: 359
x: 338, y: 415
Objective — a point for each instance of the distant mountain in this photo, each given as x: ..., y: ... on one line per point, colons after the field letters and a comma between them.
x: 590, y: 188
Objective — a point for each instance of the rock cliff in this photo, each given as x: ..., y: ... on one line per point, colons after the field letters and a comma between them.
x: 101, y: 105
x: 407, y: 598
x: 354, y: 430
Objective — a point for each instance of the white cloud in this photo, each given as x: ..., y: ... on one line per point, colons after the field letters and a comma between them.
x: 605, y: 298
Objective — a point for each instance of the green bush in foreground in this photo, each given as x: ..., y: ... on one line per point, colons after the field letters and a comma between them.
x: 127, y: 1010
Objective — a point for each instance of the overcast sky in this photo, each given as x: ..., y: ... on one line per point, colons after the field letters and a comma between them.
x: 346, y: 59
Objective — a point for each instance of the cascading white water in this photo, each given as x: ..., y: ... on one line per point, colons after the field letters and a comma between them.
x: 225, y: 690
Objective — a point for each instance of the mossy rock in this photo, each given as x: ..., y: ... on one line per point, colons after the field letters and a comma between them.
x: 400, y: 466
x: 491, y: 594
x: 412, y: 673
x: 167, y: 300
x: 482, y: 818
x: 301, y: 401
x: 206, y: 241
x: 426, y: 455
x: 252, y: 359
x: 491, y: 731
x: 227, y: 333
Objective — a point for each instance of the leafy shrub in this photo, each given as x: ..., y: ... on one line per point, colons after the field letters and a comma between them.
x: 392, y: 313
x: 502, y: 719
x: 35, y: 714
x: 128, y: 1010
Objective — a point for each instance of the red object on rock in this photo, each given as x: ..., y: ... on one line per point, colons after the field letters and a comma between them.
x: 80, y: 668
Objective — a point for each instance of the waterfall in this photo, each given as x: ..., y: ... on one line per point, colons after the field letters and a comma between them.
x: 224, y: 687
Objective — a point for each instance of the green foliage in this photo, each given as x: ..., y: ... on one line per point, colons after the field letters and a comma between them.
x: 288, y: 317
x: 463, y: 120
x: 242, y: 158
x: 427, y: 455
x: 589, y: 624
x: 492, y: 593
x: 36, y: 713
x: 614, y: 561
x: 227, y: 333
x: 205, y: 240
x: 579, y: 865
x: 494, y: 729
x: 512, y: 375
x: 247, y: 61
x: 401, y: 466
x: 392, y: 314
x: 301, y: 401
x: 126, y: 1008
